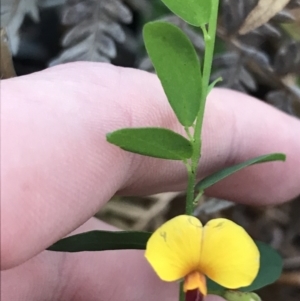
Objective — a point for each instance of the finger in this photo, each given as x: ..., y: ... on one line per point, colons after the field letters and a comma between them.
x: 89, y: 276
x: 111, y: 275
x: 57, y: 168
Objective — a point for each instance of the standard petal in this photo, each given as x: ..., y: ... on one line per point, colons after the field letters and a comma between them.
x: 173, y: 250
x: 229, y: 255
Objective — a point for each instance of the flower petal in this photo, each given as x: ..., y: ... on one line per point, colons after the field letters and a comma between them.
x: 173, y: 250
x: 195, y: 280
x: 229, y: 255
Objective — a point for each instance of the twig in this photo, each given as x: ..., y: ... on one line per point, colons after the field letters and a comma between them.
x: 292, y: 263
x: 6, y: 64
x: 292, y: 279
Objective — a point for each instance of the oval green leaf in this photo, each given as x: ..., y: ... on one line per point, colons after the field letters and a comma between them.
x: 152, y: 142
x: 102, y: 241
x: 194, y: 12
x: 222, y: 174
x: 240, y: 296
x: 214, y: 288
x: 270, y: 269
x: 177, y: 66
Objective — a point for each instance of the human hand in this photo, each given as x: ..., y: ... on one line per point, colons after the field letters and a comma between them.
x: 57, y: 170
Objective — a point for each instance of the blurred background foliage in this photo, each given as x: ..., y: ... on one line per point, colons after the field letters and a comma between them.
x: 264, y: 63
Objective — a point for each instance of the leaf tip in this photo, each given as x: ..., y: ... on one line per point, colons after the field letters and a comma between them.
x: 283, y: 157
x: 109, y: 137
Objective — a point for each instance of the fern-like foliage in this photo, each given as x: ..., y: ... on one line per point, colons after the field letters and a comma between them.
x: 12, y: 15
x: 144, y: 7
x: 266, y: 56
x: 286, y: 68
x: 94, y: 27
x: 50, y: 3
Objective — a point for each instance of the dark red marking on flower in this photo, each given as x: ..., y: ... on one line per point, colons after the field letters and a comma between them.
x: 193, y: 295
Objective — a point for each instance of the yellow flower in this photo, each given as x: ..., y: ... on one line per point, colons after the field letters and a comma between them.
x: 220, y: 250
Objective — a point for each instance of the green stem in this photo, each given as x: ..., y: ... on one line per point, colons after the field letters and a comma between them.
x: 209, y: 37
x: 189, y: 207
x: 181, y: 292
x: 198, y: 197
x: 187, y: 130
x: 191, y: 166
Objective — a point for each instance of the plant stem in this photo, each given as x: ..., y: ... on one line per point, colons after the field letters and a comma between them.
x: 181, y: 292
x: 191, y: 166
x: 189, y: 206
x: 209, y: 37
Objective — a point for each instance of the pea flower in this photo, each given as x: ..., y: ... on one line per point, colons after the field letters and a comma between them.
x: 220, y: 250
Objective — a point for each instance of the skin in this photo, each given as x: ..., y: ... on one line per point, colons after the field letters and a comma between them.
x: 57, y: 170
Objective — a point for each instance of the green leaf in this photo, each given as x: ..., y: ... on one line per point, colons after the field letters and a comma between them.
x: 270, y: 269
x: 222, y: 174
x: 240, y: 296
x: 177, y: 66
x: 213, y: 84
x: 194, y: 12
x: 153, y: 142
x: 214, y: 288
x: 102, y: 241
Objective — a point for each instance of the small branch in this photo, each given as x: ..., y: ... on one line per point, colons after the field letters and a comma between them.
x: 6, y: 64
x: 268, y: 75
x: 292, y: 263
x: 189, y: 207
x: 292, y: 279
x: 181, y: 292
x: 209, y: 37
